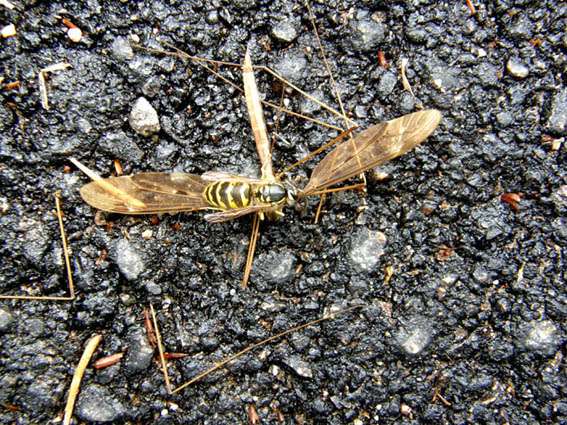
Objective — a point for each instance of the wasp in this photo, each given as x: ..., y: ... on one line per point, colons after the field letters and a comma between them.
x: 231, y: 196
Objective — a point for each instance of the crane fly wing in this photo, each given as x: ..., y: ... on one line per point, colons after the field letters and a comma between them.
x: 147, y: 193
x: 222, y: 216
x: 214, y: 176
x: 372, y: 147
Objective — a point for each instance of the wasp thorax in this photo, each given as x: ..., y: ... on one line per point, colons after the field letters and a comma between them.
x: 274, y: 193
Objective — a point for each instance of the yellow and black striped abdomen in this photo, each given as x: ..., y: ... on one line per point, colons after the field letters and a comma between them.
x: 226, y: 195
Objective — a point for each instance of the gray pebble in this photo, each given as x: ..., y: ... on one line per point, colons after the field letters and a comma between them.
x: 140, y: 352
x: 367, y: 246
x: 120, y: 145
x: 299, y: 366
x: 517, y: 69
x: 557, y: 122
x: 504, y: 118
x: 284, y: 31
x: 97, y: 404
x: 366, y: 35
x: 143, y: 118
x: 121, y: 49
x: 414, y: 336
x: 129, y: 260
x: 36, y: 241
x: 541, y: 336
x: 5, y: 317
x: 151, y: 87
x: 276, y: 267
x: 386, y: 84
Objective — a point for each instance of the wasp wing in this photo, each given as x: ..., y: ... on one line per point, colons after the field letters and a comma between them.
x: 147, y: 193
x: 222, y: 216
x: 214, y: 176
x: 372, y: 147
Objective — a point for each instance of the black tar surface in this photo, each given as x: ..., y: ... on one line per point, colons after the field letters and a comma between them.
x: 466, y: 299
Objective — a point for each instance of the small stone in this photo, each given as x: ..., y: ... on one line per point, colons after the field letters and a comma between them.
x: 386, y: 84
x: 75, y: 34
x: 5, y: 317
x: 487, y: 75
x: 8, y: 31
x: 299, y: 366
x: 560, y: 227
x: 366, y: 35
x: 504, y: 118
x: 517, y: 69
x: 129, y: 260
x: 83, y: 125
x: 358, y: 285
x: 557, y: 122
x: 276, y: 267
x: 284, y: 31
x: 121, y: 146
x: 559, y: 198
x: 151, y: 87
x: 360, y: 112
x: 121, y: 49
x: 212, y: 17
x: 405, y: 409
x: 291, y: 67
x: 307, y: 106
x: 367, y: 247
x: 521, y: 27
x: 144, y: 118
x: 414, y: 337
x: 35, y: 327
x: 36, y: 242
x: 97, y: 404
x: 542, y: 337
x: 225, y: 15
x: 140, y: 352
x: 4, y: 205
x: 489, y: 217
x: 127, y: 299
x: 153, y: 288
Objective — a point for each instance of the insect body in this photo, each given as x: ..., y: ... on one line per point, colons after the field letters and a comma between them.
x: 230, y: 195
x: 235, y: 196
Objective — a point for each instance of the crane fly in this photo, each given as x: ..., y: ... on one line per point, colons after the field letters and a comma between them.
x: 232, y: 196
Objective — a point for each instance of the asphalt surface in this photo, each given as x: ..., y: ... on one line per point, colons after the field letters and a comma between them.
x: 465, y: 294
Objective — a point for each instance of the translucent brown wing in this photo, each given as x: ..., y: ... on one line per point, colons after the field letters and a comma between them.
x: 372, y: 147
x: 213, y: 176
x: 147, y: 193
x: 222, y: 216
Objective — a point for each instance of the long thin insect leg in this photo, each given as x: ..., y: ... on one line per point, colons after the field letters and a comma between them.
x: 251, y: 249
x: 202, y: 61
x: 315, y: 152
x: 338, y: 96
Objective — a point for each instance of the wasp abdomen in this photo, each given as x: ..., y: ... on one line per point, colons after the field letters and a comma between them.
x: 273, y: 193
x: 227, y: 195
